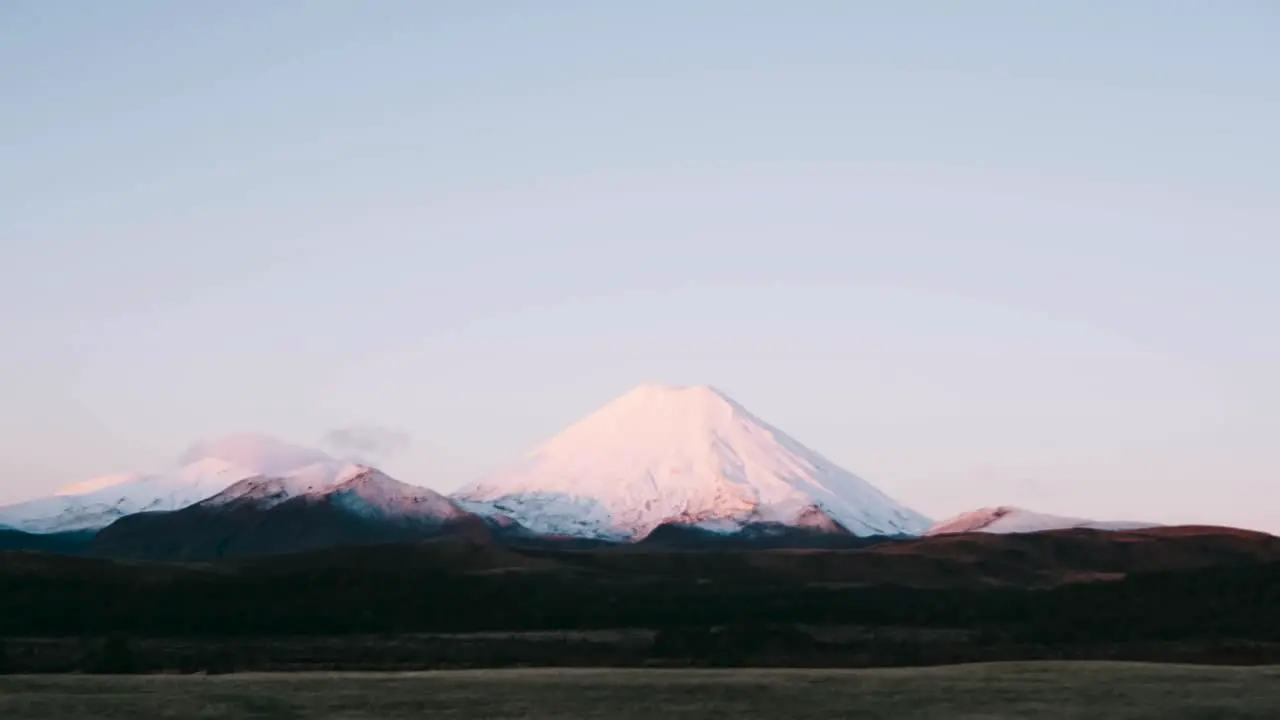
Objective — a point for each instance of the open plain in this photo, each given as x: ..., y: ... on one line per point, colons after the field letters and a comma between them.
x: 1046, y: 690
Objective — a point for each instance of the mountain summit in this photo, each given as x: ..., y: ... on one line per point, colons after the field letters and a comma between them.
x: 669, y: 455
x: 207, y: 468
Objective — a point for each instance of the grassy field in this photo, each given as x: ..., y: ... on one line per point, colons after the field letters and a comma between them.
x: 1095, y: 691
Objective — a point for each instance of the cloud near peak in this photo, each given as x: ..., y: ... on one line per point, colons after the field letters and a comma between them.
x: 366, y: 441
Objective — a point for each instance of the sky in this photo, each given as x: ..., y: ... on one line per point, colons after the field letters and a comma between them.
x: 977, y: 253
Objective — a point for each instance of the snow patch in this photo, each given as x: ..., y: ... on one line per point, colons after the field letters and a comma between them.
x: 1007, y: 519
x: 374, y: 494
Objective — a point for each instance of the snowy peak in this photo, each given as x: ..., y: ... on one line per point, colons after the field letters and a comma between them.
x: 358, y: 489
x: 206, y: 469
x: 689, y: 455
x: 265, y: 491
x: 374, y: 494
x: 262, y: 516
x: 262, y: 492
x: 654, y: 405
x: 1008, y: 519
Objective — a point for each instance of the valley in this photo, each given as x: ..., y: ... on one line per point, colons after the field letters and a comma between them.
x: 1208, y: 595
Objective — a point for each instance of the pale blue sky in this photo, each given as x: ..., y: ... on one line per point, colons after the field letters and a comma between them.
x: 976, y: 252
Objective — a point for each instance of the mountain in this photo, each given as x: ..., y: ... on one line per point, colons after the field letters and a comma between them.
x: 1006, y: 519
x: 266, y: 516
x: 661, y: 455
x: 205, y: 469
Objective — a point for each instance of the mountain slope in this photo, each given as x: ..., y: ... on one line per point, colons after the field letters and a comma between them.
x: 1007, y: 519
x: 68, y: 543
x: 264, y: 516
x: 682, y: 455
x: 206, y: 469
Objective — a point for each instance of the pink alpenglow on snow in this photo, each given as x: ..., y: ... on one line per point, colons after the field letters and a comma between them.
x: 358, y: 489
x: 663, y: 454
x: 205, y: 470
x: 1006, y: 519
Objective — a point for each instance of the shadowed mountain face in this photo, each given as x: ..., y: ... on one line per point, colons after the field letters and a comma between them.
x: 68, y: 543
x: 757, y: 536
x: 271, y: 516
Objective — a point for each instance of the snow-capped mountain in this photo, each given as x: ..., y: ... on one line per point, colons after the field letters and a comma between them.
x: 259, y: 516
x: 359, y: 489
x: 662, y: 454
x: 1008, y: 519
x: 205, y: 469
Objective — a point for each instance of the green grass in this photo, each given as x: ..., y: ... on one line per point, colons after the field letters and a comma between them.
x: 1096, y: 691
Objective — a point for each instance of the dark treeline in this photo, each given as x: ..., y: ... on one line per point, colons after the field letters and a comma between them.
x: 97, y: 598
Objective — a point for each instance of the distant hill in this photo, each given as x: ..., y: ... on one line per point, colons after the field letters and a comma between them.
x: 1008, y: 519
x: 67, y: 543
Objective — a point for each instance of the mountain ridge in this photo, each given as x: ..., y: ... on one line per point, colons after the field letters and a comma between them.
x: 204, y: 470
x: 270, y: 516
x: 1011, y: 519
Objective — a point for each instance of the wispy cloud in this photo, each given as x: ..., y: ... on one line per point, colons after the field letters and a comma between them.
x: 1032, y: 487
x: 366, y: 443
